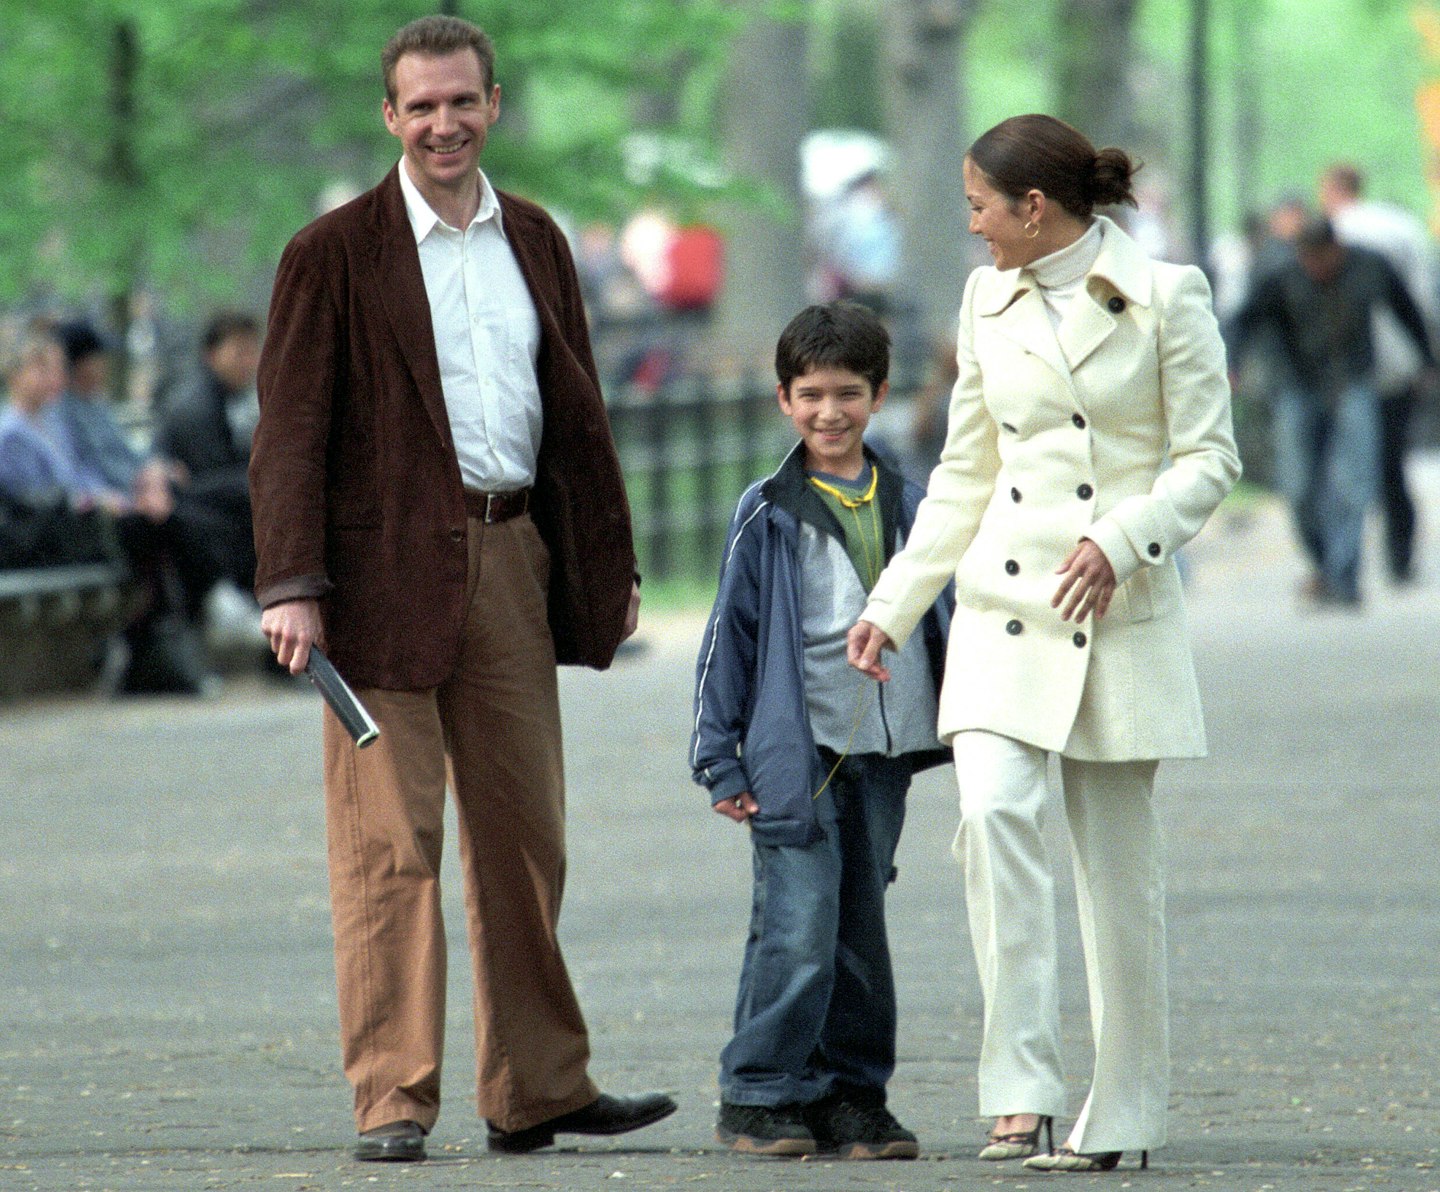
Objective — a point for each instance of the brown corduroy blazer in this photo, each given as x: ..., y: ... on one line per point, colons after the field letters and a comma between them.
x: 353, y: 475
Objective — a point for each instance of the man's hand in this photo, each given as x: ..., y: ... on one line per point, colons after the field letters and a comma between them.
x: 740, y: 808
x: 292, y: 626
x: 1088, y: 583
x: 862, y: 649
x: 632, y: 614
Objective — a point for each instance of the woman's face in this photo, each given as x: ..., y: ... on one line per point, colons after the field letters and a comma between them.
x: 997, y: 220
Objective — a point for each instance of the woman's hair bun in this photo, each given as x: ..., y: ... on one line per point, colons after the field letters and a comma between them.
x: 1114, y: 177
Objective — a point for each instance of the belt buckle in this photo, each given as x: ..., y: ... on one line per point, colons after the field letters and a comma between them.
x: 489, y: 501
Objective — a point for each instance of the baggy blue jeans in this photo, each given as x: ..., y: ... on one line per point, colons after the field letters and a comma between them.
x: 815, y: 1012
x: 1327, y: 465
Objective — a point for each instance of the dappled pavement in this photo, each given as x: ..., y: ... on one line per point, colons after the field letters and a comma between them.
x: 167, y: 1013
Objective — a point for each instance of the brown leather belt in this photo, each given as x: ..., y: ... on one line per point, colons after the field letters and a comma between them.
x: 497, y: 507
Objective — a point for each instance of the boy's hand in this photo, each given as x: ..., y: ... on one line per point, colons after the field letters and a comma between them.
x: 740, y: 808
x: 862, y: 649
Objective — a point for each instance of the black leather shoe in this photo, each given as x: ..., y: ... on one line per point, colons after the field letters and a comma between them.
x: 394, y: 1142
x: 604, y: 1115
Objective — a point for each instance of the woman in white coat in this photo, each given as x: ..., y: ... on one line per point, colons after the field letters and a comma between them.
x: 1089, y: 439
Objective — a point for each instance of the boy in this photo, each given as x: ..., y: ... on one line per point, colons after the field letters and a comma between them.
x: 815, y: 759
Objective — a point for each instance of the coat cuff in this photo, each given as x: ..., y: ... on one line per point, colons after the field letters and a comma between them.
x: 1115, y: 544
x: 300, y: 587
x: 729, y: 785
x: 888, y: 620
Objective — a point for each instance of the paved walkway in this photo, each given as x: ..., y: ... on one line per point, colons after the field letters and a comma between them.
x: 167, y: 1012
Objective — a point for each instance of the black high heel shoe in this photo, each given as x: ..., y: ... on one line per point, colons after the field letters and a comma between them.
x: 1067, y: 1160
x: 1021, y: 1144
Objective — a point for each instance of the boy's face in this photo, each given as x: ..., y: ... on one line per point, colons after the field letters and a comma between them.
x: 830, y: 407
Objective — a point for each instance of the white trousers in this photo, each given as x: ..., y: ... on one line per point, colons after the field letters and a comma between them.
x: 1120, y: 890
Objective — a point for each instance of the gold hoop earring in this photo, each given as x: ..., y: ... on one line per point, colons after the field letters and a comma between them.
x: 1031, y: 229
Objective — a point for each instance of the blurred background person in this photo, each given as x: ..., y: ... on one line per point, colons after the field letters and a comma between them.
x: 100, y: 444
x: 1269, y: 245
x: 167, y: 555
x: 858, y: 235
x: 35, y: 479
x: 1402, y: 240
x: 206, y: 426
x: 1320, y: 307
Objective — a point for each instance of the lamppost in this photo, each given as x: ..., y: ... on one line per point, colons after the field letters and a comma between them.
x: 1200, y: 131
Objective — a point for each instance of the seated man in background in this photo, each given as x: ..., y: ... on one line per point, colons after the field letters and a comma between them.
x: 206, y: 425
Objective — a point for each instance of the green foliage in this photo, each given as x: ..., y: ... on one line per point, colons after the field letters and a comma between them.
x: 1294, y: 84
x: 246, y: 111
x: 846, y: 67
x: 1313, y: 81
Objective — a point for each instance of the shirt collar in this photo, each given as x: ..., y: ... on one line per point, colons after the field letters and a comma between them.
x: 423, y: 219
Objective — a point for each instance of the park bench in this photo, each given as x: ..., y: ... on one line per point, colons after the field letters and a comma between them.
x: 54, y: 622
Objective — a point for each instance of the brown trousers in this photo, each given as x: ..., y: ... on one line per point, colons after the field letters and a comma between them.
x: 494, y: 725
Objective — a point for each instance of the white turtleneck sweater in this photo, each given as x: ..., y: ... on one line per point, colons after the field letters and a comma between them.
x: 1061, y: 274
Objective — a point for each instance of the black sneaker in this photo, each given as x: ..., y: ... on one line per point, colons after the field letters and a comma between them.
x: 859, y: 1131
x: 764, y: 1130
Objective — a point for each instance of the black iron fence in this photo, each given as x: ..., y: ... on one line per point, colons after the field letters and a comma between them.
x: 689, y: 449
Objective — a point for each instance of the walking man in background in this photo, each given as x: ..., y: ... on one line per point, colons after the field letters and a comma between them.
x: 438, y: 502
x: 1321, y: 308
x: 1403, y: 241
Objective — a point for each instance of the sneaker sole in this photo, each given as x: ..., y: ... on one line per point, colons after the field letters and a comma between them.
x: 746, y: 1145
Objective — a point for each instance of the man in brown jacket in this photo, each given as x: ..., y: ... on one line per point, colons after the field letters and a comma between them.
x: 438, y: 502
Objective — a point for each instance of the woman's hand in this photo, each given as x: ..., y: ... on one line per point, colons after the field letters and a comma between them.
x: 1087, y: 585
x: 862, y: 649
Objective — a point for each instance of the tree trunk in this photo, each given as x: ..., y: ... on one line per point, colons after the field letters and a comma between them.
x: 122, y: 175
x: 1093, y: 69
x: 764, y: 119
x: 923, y: 43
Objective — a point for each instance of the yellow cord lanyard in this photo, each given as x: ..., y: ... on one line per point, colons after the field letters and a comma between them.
x: 872, y: 554
x: 872, y: 551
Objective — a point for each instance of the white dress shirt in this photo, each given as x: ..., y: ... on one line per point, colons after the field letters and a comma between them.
x: 487, y: 335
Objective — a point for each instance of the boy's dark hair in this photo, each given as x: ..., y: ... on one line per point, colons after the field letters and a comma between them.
x: 434, y: 37
x: 834, y: 335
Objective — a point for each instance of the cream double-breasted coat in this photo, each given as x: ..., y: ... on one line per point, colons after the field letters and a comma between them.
x: 1117, y: 428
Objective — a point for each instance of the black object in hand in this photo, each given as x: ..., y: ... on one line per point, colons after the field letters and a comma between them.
x: 341, y: 699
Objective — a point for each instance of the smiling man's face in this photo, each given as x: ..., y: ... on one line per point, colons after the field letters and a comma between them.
x: 442, y: 114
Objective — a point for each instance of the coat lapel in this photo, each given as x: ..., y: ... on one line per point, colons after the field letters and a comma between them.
x: 542, y: 291
x: 523, y: 249
x: 1085, y: 327
x: 1014, y: 307
x: 1120, y: 271
x: 401, y: 287
x: 1016, y: 310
